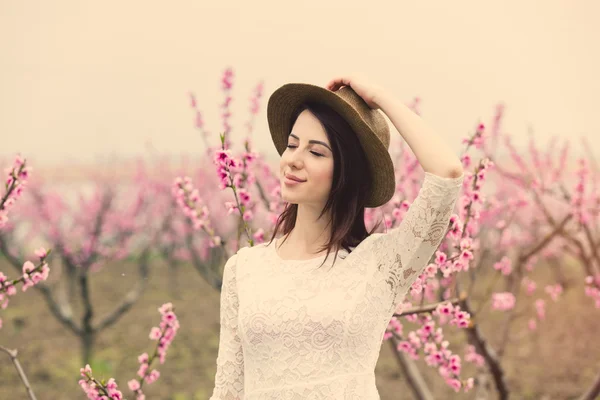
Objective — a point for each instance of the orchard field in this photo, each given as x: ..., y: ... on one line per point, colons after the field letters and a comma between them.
x: 111, y: 279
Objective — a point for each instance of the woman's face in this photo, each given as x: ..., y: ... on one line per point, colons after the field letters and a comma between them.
x: 308, y: 157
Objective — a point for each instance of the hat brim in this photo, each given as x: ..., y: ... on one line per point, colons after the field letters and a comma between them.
x: 285, y: 100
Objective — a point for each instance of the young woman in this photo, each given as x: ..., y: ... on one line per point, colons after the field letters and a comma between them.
x: 289, y: 328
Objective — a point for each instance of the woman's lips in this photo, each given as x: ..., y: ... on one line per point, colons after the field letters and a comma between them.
x: 291, y: 182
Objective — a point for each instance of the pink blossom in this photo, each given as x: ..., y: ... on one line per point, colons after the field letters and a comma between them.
x: 155, y: 333
x: 466, y: 255
x: 554, y: 291
x: 247, y: 215
x: 469, y: 384
x: 466, y: 160
x: 440, y: 258
x: 133, y: 385
x: 530, y: 285
x: 41, y: 253
x: 504, y: 265
x: 532, y: 324
x: 431, y: 270
x: 503, y: 301
x: 454, y: 384
x: 540, y: 306
x: 142, y: 370
x: 259, y: 235
x: 445, y: 309
x: 28, y: 267
x: 472, y: 356
x: 152, y: 377
x: 244, y: 197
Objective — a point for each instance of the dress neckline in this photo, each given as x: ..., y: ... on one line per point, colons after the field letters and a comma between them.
x: 279, y: 258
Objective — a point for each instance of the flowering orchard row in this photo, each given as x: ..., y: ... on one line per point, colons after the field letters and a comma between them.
x: 518, y: 212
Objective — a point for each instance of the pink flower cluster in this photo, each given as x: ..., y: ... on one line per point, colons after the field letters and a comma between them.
x: 32, y: 275
x: 276, y: 207
x: 530, y: 285
x: 427, y: 338
x: 16, y: 179
x: 188, y: 199
x: 226, y: 85
x: 166, y: 331
x: 456, y: 227
x: 503, y: 301
x: 164, y: 334
x: 478, y: 139
x: 554, y: 291
x: 519, y: 161
x: 504, y: 265
x: 462, y: 227
x: 97, y: 390
x: 234, y: 174
x: 458, y: 262
x: 254, y: 105
x: 452, y: 314
x: 228, y: 169
x: 400, y: 208
x: 472, y: 200
x: 199, y: 121
x: 592, y: 288
x: 578, y: 199
x: 473, y: 357
x: 540, y: 307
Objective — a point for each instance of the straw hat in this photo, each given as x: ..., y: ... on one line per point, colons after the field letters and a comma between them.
x: 369, y: 124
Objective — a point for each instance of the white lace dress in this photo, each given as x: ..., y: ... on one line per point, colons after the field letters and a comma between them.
x: 292, y: 331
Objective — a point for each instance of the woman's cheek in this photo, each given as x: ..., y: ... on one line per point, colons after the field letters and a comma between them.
x: 325, y: 178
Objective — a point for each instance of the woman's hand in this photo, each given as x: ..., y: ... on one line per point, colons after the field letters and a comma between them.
x: 369, y: 92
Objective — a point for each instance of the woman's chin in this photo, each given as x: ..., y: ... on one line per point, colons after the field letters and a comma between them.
x: 290, y: 199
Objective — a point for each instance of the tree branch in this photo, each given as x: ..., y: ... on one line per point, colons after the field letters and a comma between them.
x: 61, y: 313
x: 593, y: 392
x: 411, y: 373
x: 13, y: 357
x: 476, y: 338
x: 132, y: 296
x: 427, y: 308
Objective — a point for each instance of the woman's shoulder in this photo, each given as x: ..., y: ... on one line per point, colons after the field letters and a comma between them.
x: 366, y: 242
x: 251, y: 251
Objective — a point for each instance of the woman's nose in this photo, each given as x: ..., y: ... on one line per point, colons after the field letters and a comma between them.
x: 296, y: 159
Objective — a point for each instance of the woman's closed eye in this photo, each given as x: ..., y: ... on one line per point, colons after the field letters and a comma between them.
x: 289, y: 146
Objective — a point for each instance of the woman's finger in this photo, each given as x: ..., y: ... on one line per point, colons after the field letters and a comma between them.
x: 331, y: 84
x: 336, y: 83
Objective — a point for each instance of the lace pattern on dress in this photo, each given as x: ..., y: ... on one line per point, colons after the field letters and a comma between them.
x: 290, y: 330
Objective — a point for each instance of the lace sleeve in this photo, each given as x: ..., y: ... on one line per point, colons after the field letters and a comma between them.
x: 402, y: 253
x: 229, y: 379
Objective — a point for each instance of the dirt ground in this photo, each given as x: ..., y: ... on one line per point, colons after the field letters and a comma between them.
x: 559, y: 361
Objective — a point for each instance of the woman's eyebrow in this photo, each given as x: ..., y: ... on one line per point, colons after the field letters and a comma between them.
x: 313, y: 141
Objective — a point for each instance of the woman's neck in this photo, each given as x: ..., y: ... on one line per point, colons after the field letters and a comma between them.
x: 309, y: 234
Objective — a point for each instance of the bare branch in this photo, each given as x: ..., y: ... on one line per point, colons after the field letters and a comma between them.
x: 132, y: 296
x: 476, y: 338
x: 593, y: 392
x: 13, y: 357
x: 557, y: 229
x: 203, y: 267
x: 262, y: 194
x: 411, y: 373
x: 62, y: 313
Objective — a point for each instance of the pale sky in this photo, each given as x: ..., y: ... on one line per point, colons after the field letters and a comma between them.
x: 81, y: 79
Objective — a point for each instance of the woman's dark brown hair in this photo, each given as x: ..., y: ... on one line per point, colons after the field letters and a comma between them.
x: 349, y: 189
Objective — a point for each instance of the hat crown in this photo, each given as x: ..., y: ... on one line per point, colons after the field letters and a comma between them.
x: 372, y: 117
